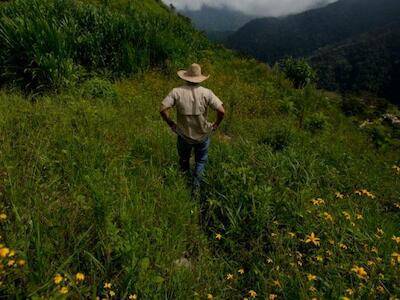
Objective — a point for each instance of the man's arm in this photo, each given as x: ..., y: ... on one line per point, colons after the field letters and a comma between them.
x: 220, y: 117
x: 164, y: 114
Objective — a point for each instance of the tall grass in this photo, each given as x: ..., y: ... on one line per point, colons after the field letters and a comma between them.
x: 92, y: 185
x: 49, y: 44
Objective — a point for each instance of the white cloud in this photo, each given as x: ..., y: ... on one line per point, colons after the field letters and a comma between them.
x: 253, y: 7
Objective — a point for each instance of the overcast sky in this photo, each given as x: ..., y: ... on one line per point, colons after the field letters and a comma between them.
x: 253, y: 7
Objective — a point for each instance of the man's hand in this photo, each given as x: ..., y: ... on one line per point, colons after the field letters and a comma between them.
x: 215, y: 126
x: 166, y: 118
x: 172, y: 126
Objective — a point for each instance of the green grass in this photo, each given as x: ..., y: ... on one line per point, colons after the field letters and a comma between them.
x: 89, y: 179
x: 89, y: 182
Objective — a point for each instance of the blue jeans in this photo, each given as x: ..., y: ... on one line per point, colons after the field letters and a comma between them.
x: 200, y: 157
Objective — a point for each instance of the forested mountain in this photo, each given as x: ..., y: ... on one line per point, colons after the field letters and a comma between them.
x: 368, y: 62
x: 270, y: 39
x: 212, y: 19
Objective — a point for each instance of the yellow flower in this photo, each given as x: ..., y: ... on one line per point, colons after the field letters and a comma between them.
x: 359, y: 217
x: 396, y: 256
x: 397, y: 205
x: 328, y: 216
x: 312, y: 289
x: 332, y: 242
x: 380, y: 231
x: 396, y: 169
x: 313, y: 239
x: 269, y: 260
x: 64, y: 290
x: 346, y: 215
x: 272, y: 297
x: 319, y: 258
x: 112, y: 293
x: 358, y: 193
x: 107, y: 285
x: 370, y: 263
x: 241, y: 271
x: 4, y: 252
x: 252, y: 294
x: 210, y: 296
x: 380, y: 289
x: 339, y: 195
x: 218, y: 236
x: 12, y: 253
x: 311, y: 277
x: 79, y: 276
x: 318, y: 201
x: 360, y: 272
x: 349, y: 291
x: 11, y: 263
x: 344, y: 298
x: 132, y: 297
x: 374, y: 250
x: 229, y: 276
x: 58, y: 278
x: 396, y: 239
x: 343, y: 246
x: 3, y: 216
x: 21, y: 262
x: 292, y: 234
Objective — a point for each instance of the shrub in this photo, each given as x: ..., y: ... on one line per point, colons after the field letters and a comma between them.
x: 278, y: 138
x: 298, y: 70
x: 352, y: 106
x: 316, y: 122
x: 48, y: 43
x: 97, y: 88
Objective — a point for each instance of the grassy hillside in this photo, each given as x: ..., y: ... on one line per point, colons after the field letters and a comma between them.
x: 300, y: 203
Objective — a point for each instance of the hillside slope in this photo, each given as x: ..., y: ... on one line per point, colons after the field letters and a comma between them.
x: 369, y: 62
x: 270, y: 39
x: 300, y: 201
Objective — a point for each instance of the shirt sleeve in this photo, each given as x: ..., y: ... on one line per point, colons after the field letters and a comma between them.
x: 169, y: 101
x: 214, y: 101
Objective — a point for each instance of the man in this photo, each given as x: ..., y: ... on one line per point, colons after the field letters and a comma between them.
x: 192, y: 128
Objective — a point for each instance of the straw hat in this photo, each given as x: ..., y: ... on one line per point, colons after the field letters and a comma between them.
x: 193, y: 74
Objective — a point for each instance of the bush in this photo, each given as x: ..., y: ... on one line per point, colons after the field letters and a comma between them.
x: 98, y: 89
x: 278, y: 138
x: 298, y: 70
x: 316, y: 122
x: 49, y: 43
x: 353, y: 106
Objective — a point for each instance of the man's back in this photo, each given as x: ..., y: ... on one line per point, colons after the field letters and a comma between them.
x: 192, y: 102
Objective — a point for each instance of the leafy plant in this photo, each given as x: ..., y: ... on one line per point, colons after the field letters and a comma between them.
x: 298, y: 70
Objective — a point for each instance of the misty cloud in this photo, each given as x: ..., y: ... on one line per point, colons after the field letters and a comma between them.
x: 253, y: 7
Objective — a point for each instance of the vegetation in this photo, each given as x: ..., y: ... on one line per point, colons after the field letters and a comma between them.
x: 298, y: 70
x: 374, y: 68
x: 299, y: 202
x: 299, y: 35
x: 49, y: 44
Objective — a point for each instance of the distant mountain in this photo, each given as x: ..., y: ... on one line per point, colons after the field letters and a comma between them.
x: 368, y: 62
x: 270, y: 39
x: 212, y: 19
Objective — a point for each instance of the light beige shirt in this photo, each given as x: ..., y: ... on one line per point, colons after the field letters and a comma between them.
x: 192, y: 102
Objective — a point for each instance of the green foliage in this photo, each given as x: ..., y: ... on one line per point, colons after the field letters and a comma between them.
x: 278, y: 138
x: 353, y: 106
x: 97, y: 88
x: 316, y: 122
x: 298, y: 70
x: 48, y: 44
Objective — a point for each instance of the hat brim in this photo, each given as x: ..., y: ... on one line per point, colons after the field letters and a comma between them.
x: 194, y: 79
